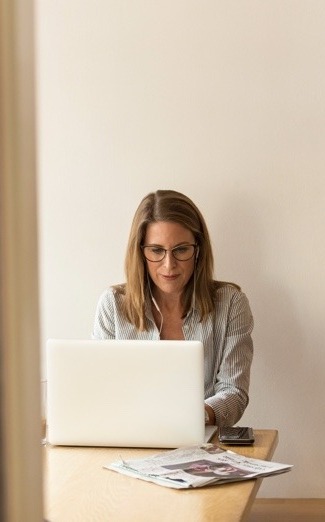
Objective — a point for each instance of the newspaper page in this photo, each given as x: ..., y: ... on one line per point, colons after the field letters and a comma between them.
x: 197, y: 466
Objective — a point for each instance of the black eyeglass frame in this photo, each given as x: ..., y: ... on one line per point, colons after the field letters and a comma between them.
x: 170, y: 250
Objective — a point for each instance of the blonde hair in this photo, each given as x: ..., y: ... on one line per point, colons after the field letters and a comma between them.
x: 172, y: 206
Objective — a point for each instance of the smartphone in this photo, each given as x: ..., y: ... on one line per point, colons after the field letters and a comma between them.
x: 236, y: 435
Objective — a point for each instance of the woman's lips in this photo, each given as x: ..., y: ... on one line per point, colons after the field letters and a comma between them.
x: 169, y: 277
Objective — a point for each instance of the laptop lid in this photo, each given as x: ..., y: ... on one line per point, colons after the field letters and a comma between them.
x: 125, y: 393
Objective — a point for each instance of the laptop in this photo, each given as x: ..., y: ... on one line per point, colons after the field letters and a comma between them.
x: 125, y: 393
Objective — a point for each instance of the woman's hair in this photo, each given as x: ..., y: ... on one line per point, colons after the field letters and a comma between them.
x: 172, y: 206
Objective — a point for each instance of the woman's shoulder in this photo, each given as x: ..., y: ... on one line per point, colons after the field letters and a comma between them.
x: 112, y: 293
x: 226, y: 288
x: 230, y: 295
x: 225, y: 291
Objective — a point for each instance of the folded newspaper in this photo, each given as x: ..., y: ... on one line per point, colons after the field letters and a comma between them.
x: 197, y: 466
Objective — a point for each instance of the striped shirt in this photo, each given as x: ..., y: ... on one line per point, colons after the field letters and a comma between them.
x: 226, y: 337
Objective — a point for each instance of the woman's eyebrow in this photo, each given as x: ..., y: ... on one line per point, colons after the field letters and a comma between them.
x: 183, y: 243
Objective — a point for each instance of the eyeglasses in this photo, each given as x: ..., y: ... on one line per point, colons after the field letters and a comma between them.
x: 157, y: 253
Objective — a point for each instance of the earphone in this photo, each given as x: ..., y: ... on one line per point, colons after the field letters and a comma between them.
x: 154, y: 302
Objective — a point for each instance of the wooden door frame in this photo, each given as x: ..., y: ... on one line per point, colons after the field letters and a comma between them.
x: 20, y: 427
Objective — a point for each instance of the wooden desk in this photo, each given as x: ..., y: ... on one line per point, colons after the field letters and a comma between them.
x: 78, y: 489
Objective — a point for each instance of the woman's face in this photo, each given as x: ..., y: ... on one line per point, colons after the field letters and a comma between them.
x: 170, y: 276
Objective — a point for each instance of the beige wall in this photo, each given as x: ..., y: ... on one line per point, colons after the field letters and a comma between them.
x: 224, y: 101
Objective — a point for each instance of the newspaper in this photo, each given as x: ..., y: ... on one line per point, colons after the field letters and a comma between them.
x: 197, y: 466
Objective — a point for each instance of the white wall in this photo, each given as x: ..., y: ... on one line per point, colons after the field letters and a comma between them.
x: 224, y: 101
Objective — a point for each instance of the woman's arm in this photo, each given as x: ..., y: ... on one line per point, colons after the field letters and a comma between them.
x: 104, y: 324
x: 231, y: 379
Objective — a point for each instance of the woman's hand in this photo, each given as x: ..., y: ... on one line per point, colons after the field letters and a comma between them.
x: 209, y: 413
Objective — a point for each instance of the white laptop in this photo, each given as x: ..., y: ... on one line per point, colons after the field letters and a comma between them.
x: 125, y: 393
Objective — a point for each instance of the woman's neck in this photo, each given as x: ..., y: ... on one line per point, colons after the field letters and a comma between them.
x: 169, y: 303
x: 168, y: 315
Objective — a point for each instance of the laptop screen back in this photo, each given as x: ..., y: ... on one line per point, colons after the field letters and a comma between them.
x: 125, y: 393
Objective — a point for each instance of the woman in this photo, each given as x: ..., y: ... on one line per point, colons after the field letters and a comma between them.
x: 170, y: 293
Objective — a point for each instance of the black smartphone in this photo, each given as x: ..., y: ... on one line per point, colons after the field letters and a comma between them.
x: 236, y: 435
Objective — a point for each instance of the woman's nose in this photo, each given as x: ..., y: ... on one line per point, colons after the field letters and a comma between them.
x: 169, y: 259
